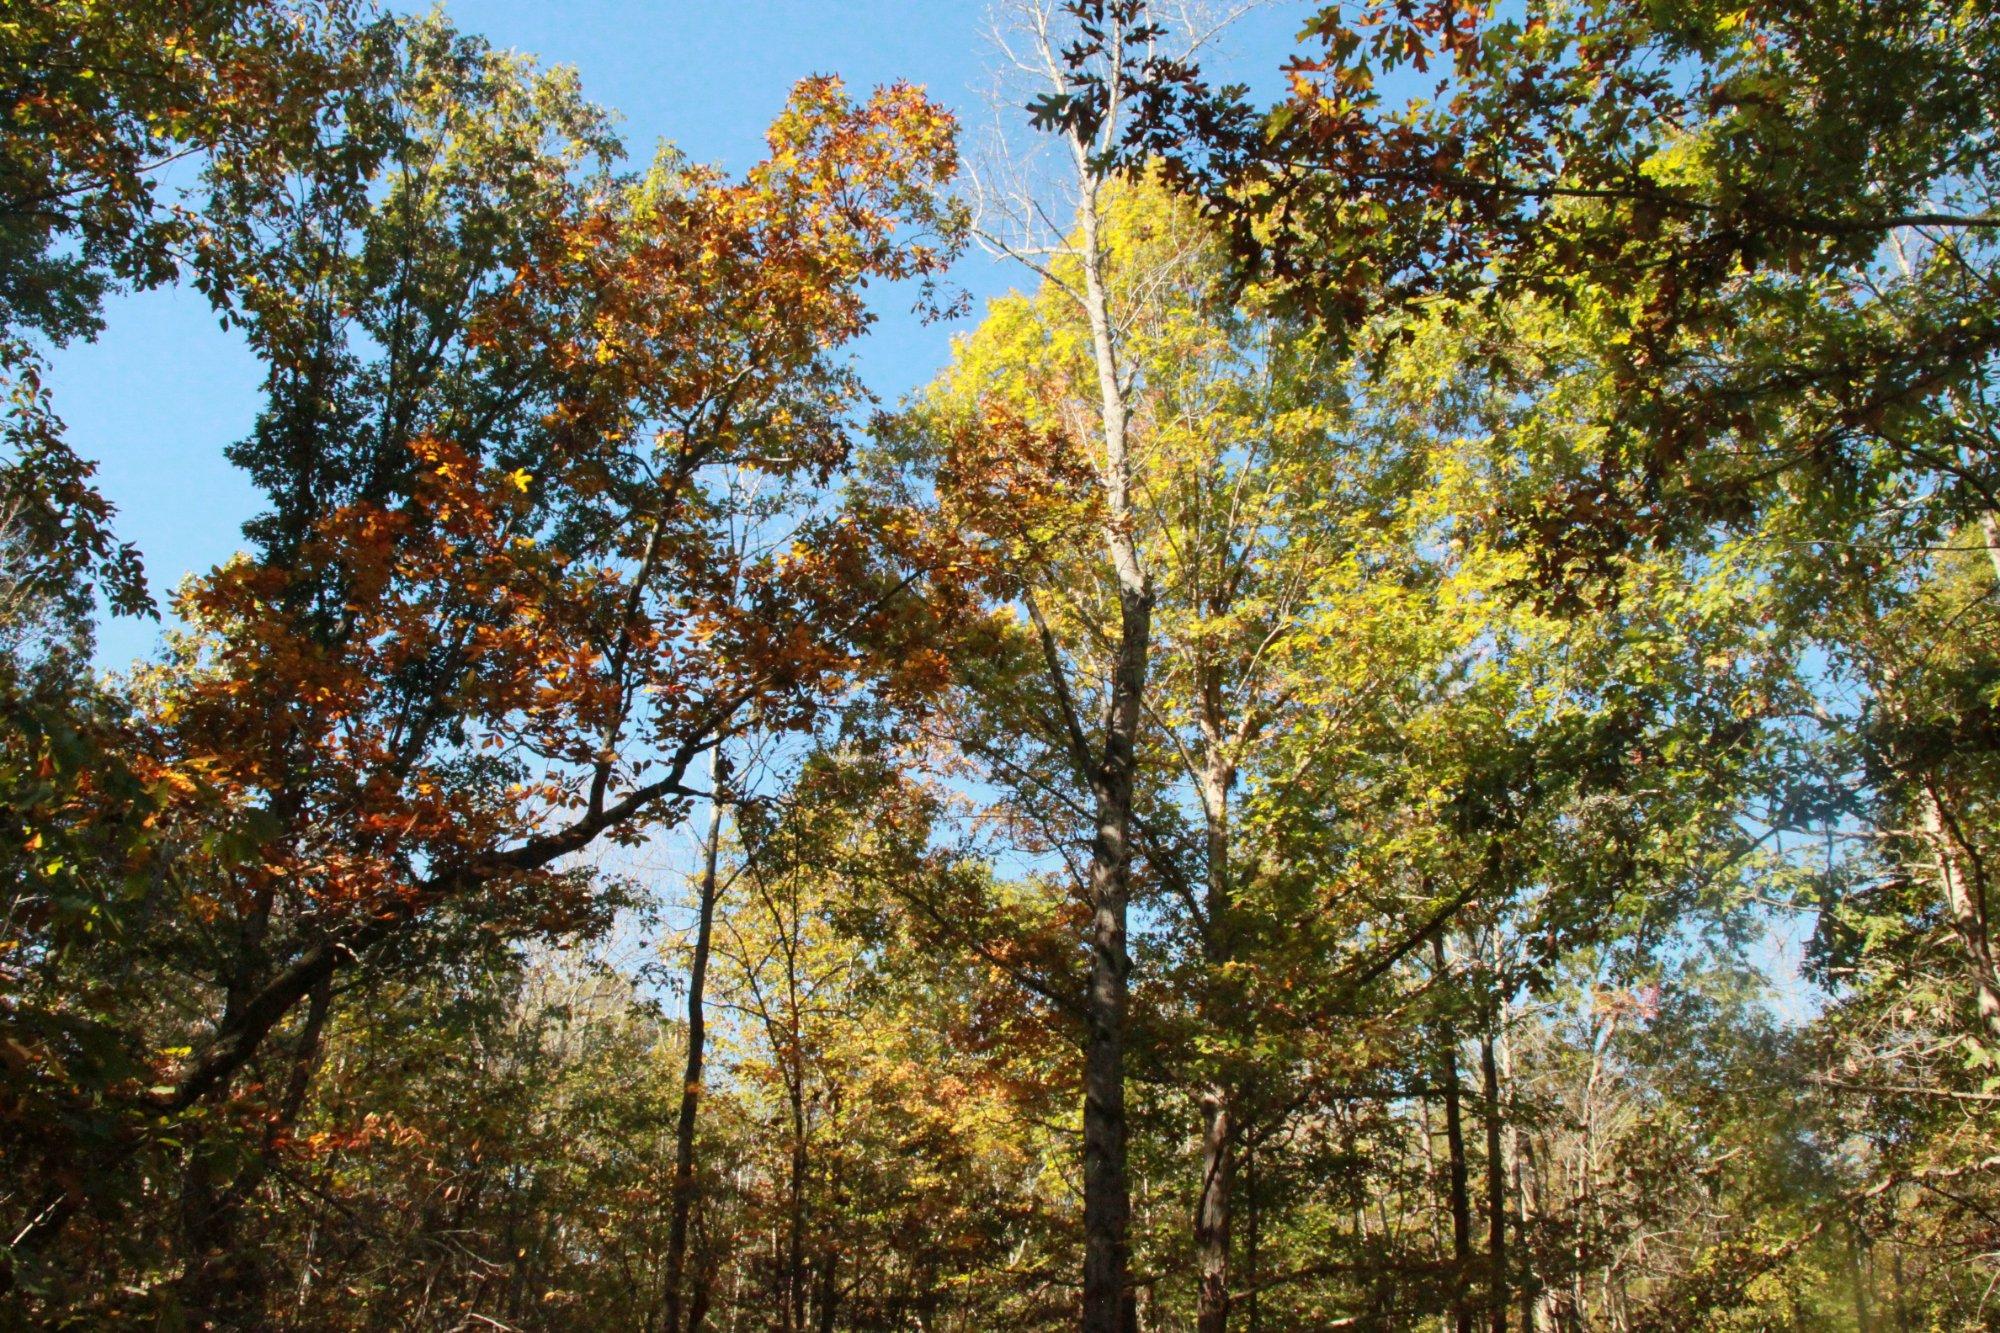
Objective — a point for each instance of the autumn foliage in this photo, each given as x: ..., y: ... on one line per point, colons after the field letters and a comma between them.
x: 1404, y: 737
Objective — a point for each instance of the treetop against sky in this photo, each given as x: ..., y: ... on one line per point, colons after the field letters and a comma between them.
x: 155, y: 398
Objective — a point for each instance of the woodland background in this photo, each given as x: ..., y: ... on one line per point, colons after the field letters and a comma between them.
x: 1402, y: 737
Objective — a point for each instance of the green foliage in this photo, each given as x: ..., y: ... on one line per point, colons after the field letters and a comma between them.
x: 1562, y: 517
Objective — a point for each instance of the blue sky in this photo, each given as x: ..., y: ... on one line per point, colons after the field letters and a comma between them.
x: 163, y: 391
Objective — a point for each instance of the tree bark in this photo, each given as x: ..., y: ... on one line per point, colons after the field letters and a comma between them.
x: 1454, y: 1138
x: 1962, y: 879
x: 827, y: 1301
x: 1496, y: 1180
x: 1107, y: 1293
x: 1218, y: 1163
x: 703, y: 1294
x: 215, y: 1282
x: 1107, y: 761
x: 1989, y: 527
x: 795, y: 1225
x: 1857, y: 1267
x: 1107, y: 1297
x: 1252, y: 1242
x: 1519, y: 1147
x: 224, y: 1282
x: 1212, y: 1211
x: 1537, y: 1309
x: 697, y: 1040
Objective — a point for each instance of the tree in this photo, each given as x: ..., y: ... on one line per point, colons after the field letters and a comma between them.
x: 1367, y: 667
x: 888, y: 1165
x: 1328, y: 629
x: 101, y: 103
x: 1108, y: 759
x: 1776, y: 227
x: 483, y: 628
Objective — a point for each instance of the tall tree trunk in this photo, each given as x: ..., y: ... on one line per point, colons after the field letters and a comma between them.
x: 224, y: 1283
x: 215, y: 1283
x: 1961, y: 876
x: 1106, y: 760
x: 796, y: 1288
x: 1218, y: 1128
x: 1989, y: 527
x: 1454, y: 1138
x: 1252, y: 1270
x: 827, y: 1298
x: 697, y: 1040
x: 1537, y: 1304
x: 1583, y: 1185
x: 1496, y: 1179
x: 826, y: 1264
x: 1107, y: 1207
x: 1857, y: 1266
x: 1107, y: 1299
x: 1959, y: 867
x: 795, y: 1223
x: 1212, y: 1211
x: 703, y: 1296
x: 1519, y: 1147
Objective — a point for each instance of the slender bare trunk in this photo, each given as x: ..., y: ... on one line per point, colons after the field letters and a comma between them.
x: 697, y: 1040
x: 1989, y: 527
x: 1864, y: 1317
x: 1537, y: 1303
x: 795, y: 1224
x: 827, y: 1301
x: 1961, y: 876
x: 1218, y: 1130
x: 1520, y: 1163
x: 1253, y: 1271
x: 1959, y: 867
x: 1212, y: 1211
x: 1454, y: 1138
x: 1496, y: 1180
x: 1584, y: 1194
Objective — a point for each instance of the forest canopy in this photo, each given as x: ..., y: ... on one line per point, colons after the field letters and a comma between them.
x: 1269, y: 794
